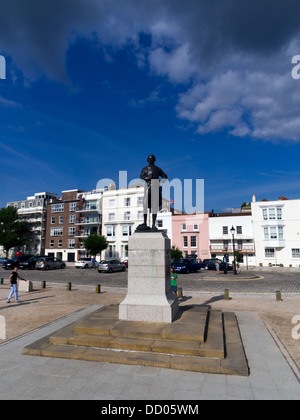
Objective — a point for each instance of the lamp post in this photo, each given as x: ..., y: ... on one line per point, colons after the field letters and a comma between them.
x: 232, y: 230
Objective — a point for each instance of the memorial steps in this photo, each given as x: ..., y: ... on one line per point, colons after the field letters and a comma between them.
x: 200, y: 339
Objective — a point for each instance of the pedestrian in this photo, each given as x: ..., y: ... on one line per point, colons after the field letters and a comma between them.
x: 225, y: 266
x: 174, y: 281
x: 13, y: 279
x: 218, y: 266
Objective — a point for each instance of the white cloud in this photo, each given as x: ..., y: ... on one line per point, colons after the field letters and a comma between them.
x: 177, y: 65
x: 236, y: 57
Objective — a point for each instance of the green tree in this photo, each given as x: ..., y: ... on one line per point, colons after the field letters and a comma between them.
x: 176, y: 253
x: 95, y: 244
x: 13, y: 232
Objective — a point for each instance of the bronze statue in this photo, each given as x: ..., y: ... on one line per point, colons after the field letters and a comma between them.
x: 151, y: 174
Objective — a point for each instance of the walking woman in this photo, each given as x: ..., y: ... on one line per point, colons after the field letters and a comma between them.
x: 13, y: 279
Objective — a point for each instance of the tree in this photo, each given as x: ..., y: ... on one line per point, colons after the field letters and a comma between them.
x: 12, y: 231
x: 95, y: 244
x: 175, y: 253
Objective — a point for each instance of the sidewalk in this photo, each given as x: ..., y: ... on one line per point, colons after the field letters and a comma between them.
x: 29, y: 377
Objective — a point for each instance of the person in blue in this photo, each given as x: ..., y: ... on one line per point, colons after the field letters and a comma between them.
x: 13, y: 279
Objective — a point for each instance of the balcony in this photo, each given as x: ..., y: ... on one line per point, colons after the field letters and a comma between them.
x: 244, y: 249
x: 88, y: 208
x: 88, y: 221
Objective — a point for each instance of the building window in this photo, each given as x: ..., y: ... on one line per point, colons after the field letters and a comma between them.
x: 56, y: 232
x: 295, y: 252
x: 159, y: 223
x: 112, y: 203
x: 57, y: 208
x: 225, y: 230
x: 265, y: 214
x: 273, y: 233
x: 72, y: 206
x: 71, y: 230
x: 266, y: 233
x: 52, y: 220
x: 72, y: 218
x: 51, y: 243
x: 193, y: 241
x: 127, y: 201
x: 279, y: 213
x: 140, y: 201
x: 185, y: 241
x: 110, y: 231
x: 140, y: 215
x: 61, y: 220
x: 111, y: 217
x: 183, y: 227
x: 127, y: 215
x: 196, y: 227
x: 71, y: 243
x: 272, y: 214
x: 59, y: 243
x: 126, y: 230
x: 239, y: 230
x: 269, y: 253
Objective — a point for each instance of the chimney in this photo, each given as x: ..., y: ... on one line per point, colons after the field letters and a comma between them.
x: 253, y: 198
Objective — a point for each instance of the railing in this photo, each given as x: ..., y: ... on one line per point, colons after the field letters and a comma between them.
x: 221, y: 248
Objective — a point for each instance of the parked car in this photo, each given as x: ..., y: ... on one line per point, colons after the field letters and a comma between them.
x: 48, y: 263
x: 29, y: 264
x: 210, y: 264
x: 125, y: 262
x: 186, y: 265
x: 15, y: 262
x: 84, y: 263
x: 3, y: 260
x: 110, y: 266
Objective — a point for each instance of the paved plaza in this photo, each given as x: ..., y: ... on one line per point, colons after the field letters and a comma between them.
x: 274, y: 370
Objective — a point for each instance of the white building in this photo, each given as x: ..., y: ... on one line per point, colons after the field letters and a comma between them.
x: 122, y: 212
x: 276, y: 226
x: 33, y: 211
x: 221, y: 239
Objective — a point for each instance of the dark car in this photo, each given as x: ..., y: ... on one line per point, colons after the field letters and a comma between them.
x: 15, y: 262
x: 186, y: 265
x: 29, y: 264
x: 210, y: 264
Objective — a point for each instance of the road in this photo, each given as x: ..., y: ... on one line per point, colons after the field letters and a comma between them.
x: 205, y: 281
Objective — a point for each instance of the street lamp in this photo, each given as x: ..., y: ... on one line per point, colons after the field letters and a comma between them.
x: 232, y: 230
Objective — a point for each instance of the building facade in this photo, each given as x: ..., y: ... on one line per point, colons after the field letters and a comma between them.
x: 33, y: 211
x: 191, y: 235
x: 61, y: 241
x: 276, y: 227
x: 122, y: 212
x: 88, y: 219
x: 221, y: 239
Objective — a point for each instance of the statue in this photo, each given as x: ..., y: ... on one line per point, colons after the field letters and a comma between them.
x: 153, y: 192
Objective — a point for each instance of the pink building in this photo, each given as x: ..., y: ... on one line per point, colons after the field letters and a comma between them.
x: 190, y: 233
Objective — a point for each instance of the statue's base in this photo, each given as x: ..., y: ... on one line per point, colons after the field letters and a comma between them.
x: 150, y: 297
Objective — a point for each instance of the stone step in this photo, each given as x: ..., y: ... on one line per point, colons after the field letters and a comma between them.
x: 211, y: 342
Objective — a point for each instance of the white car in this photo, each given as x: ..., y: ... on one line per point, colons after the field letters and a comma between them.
x: 84, y: 263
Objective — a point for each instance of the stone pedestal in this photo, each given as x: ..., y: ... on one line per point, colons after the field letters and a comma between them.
x: 25, y: 286
x: 150, y: 297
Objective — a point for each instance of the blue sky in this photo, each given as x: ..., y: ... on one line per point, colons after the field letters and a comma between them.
x: 93, y: 87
